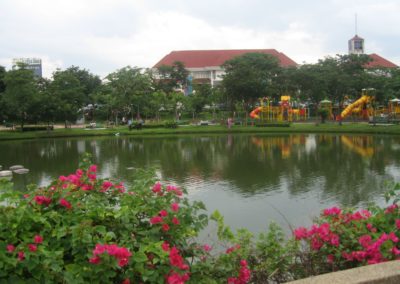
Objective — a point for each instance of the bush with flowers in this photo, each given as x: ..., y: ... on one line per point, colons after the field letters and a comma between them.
x: 83, y: 229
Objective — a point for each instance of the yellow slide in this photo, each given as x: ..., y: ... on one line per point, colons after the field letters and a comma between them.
x: 358, y: 103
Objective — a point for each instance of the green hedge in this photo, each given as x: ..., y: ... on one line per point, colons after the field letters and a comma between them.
x: 275, y: 124
x: 35, y: 128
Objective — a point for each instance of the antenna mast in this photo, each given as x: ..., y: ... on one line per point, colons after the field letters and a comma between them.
x: 356, y: 22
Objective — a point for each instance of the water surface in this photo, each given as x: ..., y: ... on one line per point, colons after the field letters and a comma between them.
x: 251, y: 179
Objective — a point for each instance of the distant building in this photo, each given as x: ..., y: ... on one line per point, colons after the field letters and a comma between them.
x: 204, y: 66
x: 34, y: 64
x: 356, y: 46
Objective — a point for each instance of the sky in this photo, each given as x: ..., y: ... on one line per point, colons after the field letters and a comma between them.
x: 105, y: 35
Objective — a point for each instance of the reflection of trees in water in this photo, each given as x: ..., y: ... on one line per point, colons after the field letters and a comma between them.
x: 252, y: 164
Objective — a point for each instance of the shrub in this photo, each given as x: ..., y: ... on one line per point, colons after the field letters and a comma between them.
x: 171, y: 124
x: 84, y: 229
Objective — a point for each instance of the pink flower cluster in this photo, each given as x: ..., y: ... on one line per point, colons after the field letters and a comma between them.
x: 372, y: 249
x: 365, y: 243
x: 177, y: 261
x: 244, y: 274
x: 42, y: 200
x: 161, y: 218
x: 32, y: 247
x: 158, y: 189
x: 232, y: 249
x: 119, y: 253
x: 318, y: 236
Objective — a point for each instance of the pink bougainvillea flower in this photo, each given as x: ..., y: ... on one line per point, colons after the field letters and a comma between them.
x: 332, y: 211
x: 165, y: 246
x: 42, y: 200
x: 32, y: 247
x: 174, y: 189
x: 392, y: 236
x: 156, y: 220
x: 300, y: 233
x: 175, y: 259
x: 79, y: 173
x: 175, y: 278
x: 371, y: 228
x: 122, y: 254
x: 395, y: 251
x: 398, y: 224
x: 330, y: 258
x: 232, y: 249
x: 119, y: 186
x: 163, y: 213
x: 106, y: 185
x: 334, y: 240
x: 95, y: 259
x: 21, y: 255
x: 365, y: 241
x: 175, y: 221
x: 10, y: 248
x: 38, y: 239
x: 62, y: 178
x: 244, y: 274
x: 391, y: 208
x: 175, y: 207
x: 126, y: 281
x: 207, y: 248
x: 63, y: 202
x: 87, y: 187
x: 92, y: 177
x: 93, y: 168
x: 157, y: 187
x: 165, y: 227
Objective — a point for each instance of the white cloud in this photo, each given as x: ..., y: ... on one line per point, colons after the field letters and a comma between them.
x: 105, y: 35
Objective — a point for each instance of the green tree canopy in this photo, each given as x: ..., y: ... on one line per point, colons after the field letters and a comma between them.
x: 68, y: 94
x: 20, y: 94
x: 171, y: 77
x: 250, y: 76
x: 129, y: 87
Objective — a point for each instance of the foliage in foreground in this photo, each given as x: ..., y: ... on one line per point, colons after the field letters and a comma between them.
x: 82, y: 229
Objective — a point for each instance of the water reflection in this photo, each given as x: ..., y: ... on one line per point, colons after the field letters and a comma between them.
x: 247, y: 170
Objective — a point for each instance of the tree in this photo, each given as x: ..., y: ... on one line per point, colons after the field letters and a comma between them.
x: 129, y: 86
x: 2, y: 90
x: 171, y: 77
x: 199, y: 98
x: 20, y: 95
x: 67, y: 91
x: 249, y: 77
x: 48, y: 103
x: 89, y: 82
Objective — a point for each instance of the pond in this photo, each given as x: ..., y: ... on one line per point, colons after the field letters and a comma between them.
x: 251, y: 179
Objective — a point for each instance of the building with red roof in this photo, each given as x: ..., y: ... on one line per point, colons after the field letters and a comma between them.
x: 205, y: 65
x: 356, y: 46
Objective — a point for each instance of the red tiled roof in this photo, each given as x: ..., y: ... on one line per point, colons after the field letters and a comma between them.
x: 208, y: 58
x: 378, y: 61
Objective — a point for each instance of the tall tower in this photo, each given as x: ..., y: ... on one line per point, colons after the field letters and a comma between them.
x: 356, y: 44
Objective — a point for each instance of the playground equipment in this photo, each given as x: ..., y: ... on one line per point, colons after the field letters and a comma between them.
x: 284, y: 112
x: 359, y: 106
x: 326, y: 104
x: 394, y: 108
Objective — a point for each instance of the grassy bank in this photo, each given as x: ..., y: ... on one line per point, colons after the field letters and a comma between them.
x: 356, y: 128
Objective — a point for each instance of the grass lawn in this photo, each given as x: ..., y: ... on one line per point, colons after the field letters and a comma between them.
x: 356, y: 128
